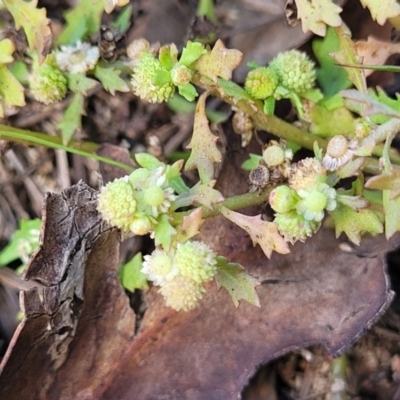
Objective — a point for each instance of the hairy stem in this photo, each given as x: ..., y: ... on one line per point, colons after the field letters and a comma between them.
x: 233, y: 203
x: 240, y: 201
x: 289, y: 132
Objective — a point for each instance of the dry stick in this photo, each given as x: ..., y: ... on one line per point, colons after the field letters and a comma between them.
x: 63, y: 174
x: 11, y: 279
x: 26, y: 121
x: 9, y: 194
x: 35, y: 194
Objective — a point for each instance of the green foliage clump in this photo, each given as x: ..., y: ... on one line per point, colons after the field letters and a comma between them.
x: 154, y: 199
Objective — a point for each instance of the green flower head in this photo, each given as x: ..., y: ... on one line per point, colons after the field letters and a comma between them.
x: 295, y: 71
x: 141, y: 225
x: 182, y: 293
x: 180, y: 272
x: 48, y: 84
x: 151, y: 81
x: 283, y: 199
x: 133, y: 203
x: 117, y: 203
x: 160, y: 267
x: 261, y: 82
x: 313, y: 202
x: 294, y: 226
x: 152, y: 192
x: 273, y: 156
x: 196, y: 261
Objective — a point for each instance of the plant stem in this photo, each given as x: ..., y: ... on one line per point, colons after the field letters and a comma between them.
x: 27, y: 138
x: 289, y: 132
x: 269, y: 123
x: 393, y: 153
x: 381, y: 133
x: 233, y: 203
x: 339, y: 383
x: 205, y: 8
x: 240, y: 201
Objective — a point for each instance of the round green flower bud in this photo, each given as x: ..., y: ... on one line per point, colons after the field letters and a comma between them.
x: 196, y: 261
x: 261, y: 82
x: 117, y: 203
x: 152, y: 192
x: 273, y: 156
x: 140, y: 225
x: 159, y: 267
x: 313, y: 202
x: 143, y: 80
x: 154, y: 196
x: 283, y: 199
x: 48, y: 84
x: 295, y: 71
x: 181, y: 75
x: 312, y: 206
x: 182, y: 293
x: 294, y: 227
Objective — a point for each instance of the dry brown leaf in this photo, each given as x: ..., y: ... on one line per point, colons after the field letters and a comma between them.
x: 80, y: 323
x: 264, y: 233
x: 203, y: 144
x: 374, y: 51
x: 316, y: 294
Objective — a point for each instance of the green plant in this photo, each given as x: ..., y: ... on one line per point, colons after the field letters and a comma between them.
x: 23, y: 243
x: 154, y: 199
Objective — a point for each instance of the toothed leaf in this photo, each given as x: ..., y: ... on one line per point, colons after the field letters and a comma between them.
x: 204, y: 150
x: 72, y: 119
x: 219, y: 62
x: 239, y: 284
x: 110, y: 79
x: 382, y: 10
x: 261, y: 232
x: 355, y: 223
x: 36, y: 26
x: 131, y: 277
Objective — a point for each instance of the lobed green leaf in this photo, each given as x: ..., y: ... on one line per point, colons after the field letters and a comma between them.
x: 36, y: 26
x: 109, y: 78
x: 72, y: 118
x: 131, y: 276
x: 239, y: 284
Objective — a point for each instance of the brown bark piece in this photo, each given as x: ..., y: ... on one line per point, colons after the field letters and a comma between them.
x: 81, y: 300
